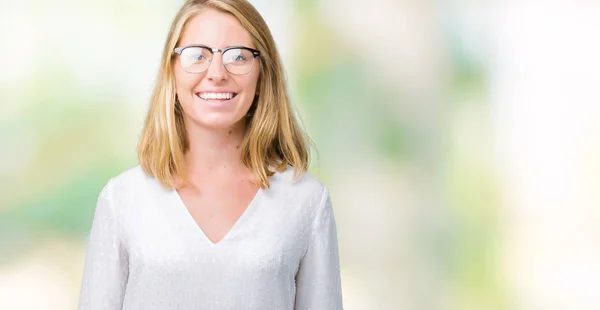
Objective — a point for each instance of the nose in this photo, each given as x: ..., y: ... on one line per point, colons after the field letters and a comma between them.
x: 216, y: 71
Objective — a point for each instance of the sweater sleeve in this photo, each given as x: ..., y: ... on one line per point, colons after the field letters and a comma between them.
x: 318, y: 283
x: 106, y: 264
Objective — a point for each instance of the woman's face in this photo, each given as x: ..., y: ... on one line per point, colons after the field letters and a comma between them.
x: 204, y: 96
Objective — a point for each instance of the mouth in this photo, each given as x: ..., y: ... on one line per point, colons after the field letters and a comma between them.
x: 216, y: 97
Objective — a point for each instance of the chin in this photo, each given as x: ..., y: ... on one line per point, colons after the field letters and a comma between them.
x: 218, y: 121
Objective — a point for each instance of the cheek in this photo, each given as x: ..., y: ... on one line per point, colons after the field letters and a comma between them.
x: 252, y: 83
x: 184, y: 81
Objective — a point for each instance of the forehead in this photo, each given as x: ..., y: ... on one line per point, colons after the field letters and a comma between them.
x: 215, y: 29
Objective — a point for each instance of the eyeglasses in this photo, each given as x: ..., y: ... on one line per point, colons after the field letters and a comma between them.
x: 237, y: 60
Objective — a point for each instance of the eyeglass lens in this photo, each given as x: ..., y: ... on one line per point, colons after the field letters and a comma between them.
x: 197, y: 59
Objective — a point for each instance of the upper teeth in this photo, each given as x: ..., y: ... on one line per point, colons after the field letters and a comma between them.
x: 216, y: 95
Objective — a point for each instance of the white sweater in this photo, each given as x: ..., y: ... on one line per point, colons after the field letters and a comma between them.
x: 145, y: 251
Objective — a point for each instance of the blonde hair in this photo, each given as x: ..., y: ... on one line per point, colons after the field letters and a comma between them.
x: 273, y: 138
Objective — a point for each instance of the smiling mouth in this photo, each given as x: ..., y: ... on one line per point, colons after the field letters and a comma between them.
x: 216, y: 96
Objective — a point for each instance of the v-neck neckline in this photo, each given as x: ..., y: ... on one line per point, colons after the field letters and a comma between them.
x: 189, y: 218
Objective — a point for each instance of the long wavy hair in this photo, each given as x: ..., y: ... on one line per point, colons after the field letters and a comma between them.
x: 273, y: 137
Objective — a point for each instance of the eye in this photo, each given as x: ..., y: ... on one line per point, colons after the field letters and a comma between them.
x: 239, y: 57
x: 195, y: 54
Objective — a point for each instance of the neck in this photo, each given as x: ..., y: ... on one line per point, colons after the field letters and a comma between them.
x: 213, y: 150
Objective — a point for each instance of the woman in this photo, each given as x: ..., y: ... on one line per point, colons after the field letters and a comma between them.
x: 221, y: 213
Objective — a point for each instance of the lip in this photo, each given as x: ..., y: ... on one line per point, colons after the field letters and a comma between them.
x: 216, y: 90
x: 216, y: 102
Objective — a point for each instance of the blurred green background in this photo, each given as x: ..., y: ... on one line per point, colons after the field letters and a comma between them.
x: 459, y: 140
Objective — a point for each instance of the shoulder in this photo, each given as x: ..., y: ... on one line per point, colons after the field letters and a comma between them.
x: 304, y: 187
x: 304, y: 198
x: 127, y: 183
x: 130, y: 177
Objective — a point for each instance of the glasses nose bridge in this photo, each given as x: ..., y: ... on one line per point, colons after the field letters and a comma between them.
x: 212, y: 54
x: 217, y: 50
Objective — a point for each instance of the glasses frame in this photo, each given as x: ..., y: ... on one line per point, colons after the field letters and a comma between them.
x: 255, y: 53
